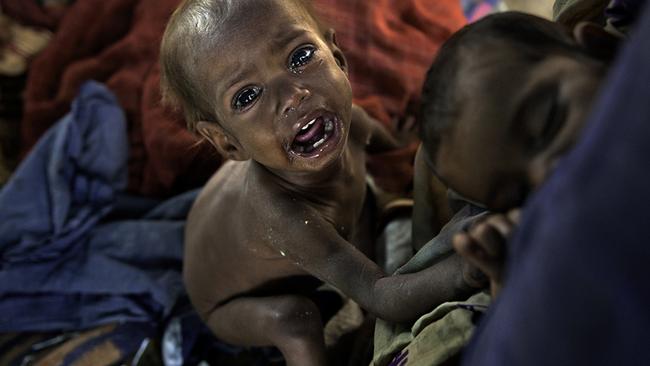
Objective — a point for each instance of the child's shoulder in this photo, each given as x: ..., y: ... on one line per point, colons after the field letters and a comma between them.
x: 237, y: 191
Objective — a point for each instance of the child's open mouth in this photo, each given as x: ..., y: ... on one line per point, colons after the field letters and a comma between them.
x: 313, y: 137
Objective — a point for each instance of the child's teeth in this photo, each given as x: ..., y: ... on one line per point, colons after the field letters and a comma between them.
x: 320, y: 142
x: 329, y: 126
x: 305, y: 127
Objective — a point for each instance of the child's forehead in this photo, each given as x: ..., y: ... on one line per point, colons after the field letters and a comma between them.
x: 240, y: 43
x: 265, y: 14
x: 254, y: 23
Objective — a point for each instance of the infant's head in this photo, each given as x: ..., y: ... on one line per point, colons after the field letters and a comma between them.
x: 504, y: 99
x: 259, y: 79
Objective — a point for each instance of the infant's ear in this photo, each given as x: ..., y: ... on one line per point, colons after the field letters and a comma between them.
x: 597, y: 41
x: 330, y: 37
x: 225, y: 143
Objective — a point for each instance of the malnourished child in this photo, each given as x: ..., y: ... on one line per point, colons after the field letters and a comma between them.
x: 267, y: 85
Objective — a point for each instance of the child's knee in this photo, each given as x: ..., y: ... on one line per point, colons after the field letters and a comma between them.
x: 295, y: 316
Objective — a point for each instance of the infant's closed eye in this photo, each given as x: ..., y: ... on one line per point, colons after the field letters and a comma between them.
x: 545, y: 115
x: 300, y: 57
x: 554, y: 120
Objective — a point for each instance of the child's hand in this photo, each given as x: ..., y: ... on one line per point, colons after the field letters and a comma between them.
x: 405, y: 130
x: 377, y: 137
x: 484, y: 246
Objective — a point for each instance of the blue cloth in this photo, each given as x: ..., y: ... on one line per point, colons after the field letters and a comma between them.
x: 67, y: 182
x: 578, y: 288
x: 62, y: 267
x: 624, y: 13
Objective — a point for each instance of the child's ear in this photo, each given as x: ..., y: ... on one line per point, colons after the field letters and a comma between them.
x: 596, y: 40
x: 224, y: 142
x: 330, y: 36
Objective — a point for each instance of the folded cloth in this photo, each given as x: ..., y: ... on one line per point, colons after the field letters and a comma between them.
x: 67, y: 183
x: 392, y: 338
x: 63, y: 270
x: 577, y: 290
x: 436, y: 337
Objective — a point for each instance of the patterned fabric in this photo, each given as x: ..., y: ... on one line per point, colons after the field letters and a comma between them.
x: 110, y: 344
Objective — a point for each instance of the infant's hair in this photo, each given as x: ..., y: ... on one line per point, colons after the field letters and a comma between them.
x: 191, y: 35
x: 534, y: 38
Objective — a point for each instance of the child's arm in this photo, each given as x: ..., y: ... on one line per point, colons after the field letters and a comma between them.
x: 431, y: 209
x: 484, y: 246
x: 313, y: 244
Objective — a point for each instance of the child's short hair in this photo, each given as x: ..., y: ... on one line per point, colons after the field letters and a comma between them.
x: 189, y: 38
x: 533, y: 38
x: 186, y: 40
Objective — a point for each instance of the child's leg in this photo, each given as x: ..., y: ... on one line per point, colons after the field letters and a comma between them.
x: 292, y: 323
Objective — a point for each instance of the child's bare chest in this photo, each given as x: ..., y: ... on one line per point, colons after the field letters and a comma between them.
x: 350, y: 206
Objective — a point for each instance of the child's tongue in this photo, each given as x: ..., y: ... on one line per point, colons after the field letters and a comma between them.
x: 316, y: 128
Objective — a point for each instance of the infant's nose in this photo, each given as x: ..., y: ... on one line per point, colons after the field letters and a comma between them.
x: 295, y: 98
x: 539, y: 169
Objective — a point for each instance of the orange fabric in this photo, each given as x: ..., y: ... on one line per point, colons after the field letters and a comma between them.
x: 117, y: 42
x: 30, y: 13
x: 389, y: 45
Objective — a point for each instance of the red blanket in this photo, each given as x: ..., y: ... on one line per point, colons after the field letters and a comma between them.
x: 389, y: 45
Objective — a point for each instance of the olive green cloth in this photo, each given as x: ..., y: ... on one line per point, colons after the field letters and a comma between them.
x: 440, y: 334
x: 434, y: 338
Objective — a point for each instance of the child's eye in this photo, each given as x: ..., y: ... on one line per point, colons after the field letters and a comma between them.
x: 552, y: 123
x: 544, y: 116
x: 300, y: 57
x: 245, y: 97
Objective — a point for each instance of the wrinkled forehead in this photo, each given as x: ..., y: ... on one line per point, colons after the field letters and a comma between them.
x: 251, y: 21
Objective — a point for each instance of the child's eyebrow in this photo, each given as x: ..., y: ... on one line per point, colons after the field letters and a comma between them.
x: 238, y: 73
x: 532, y: 97
x: 283, y: 37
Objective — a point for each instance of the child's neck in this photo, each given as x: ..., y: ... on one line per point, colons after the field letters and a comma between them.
x: 303, y: 182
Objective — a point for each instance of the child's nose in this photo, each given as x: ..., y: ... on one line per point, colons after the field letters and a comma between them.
x: 539, y: 169
x: 294, y: 98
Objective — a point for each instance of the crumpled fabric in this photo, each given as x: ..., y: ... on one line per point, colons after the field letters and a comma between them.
x: 64, y: 265
x: 67, y: 183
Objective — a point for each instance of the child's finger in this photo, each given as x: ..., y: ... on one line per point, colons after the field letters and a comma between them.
x: 514, y: 215
x: 467, y: 248
x: 489, y: 238
x: 502, y: 224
